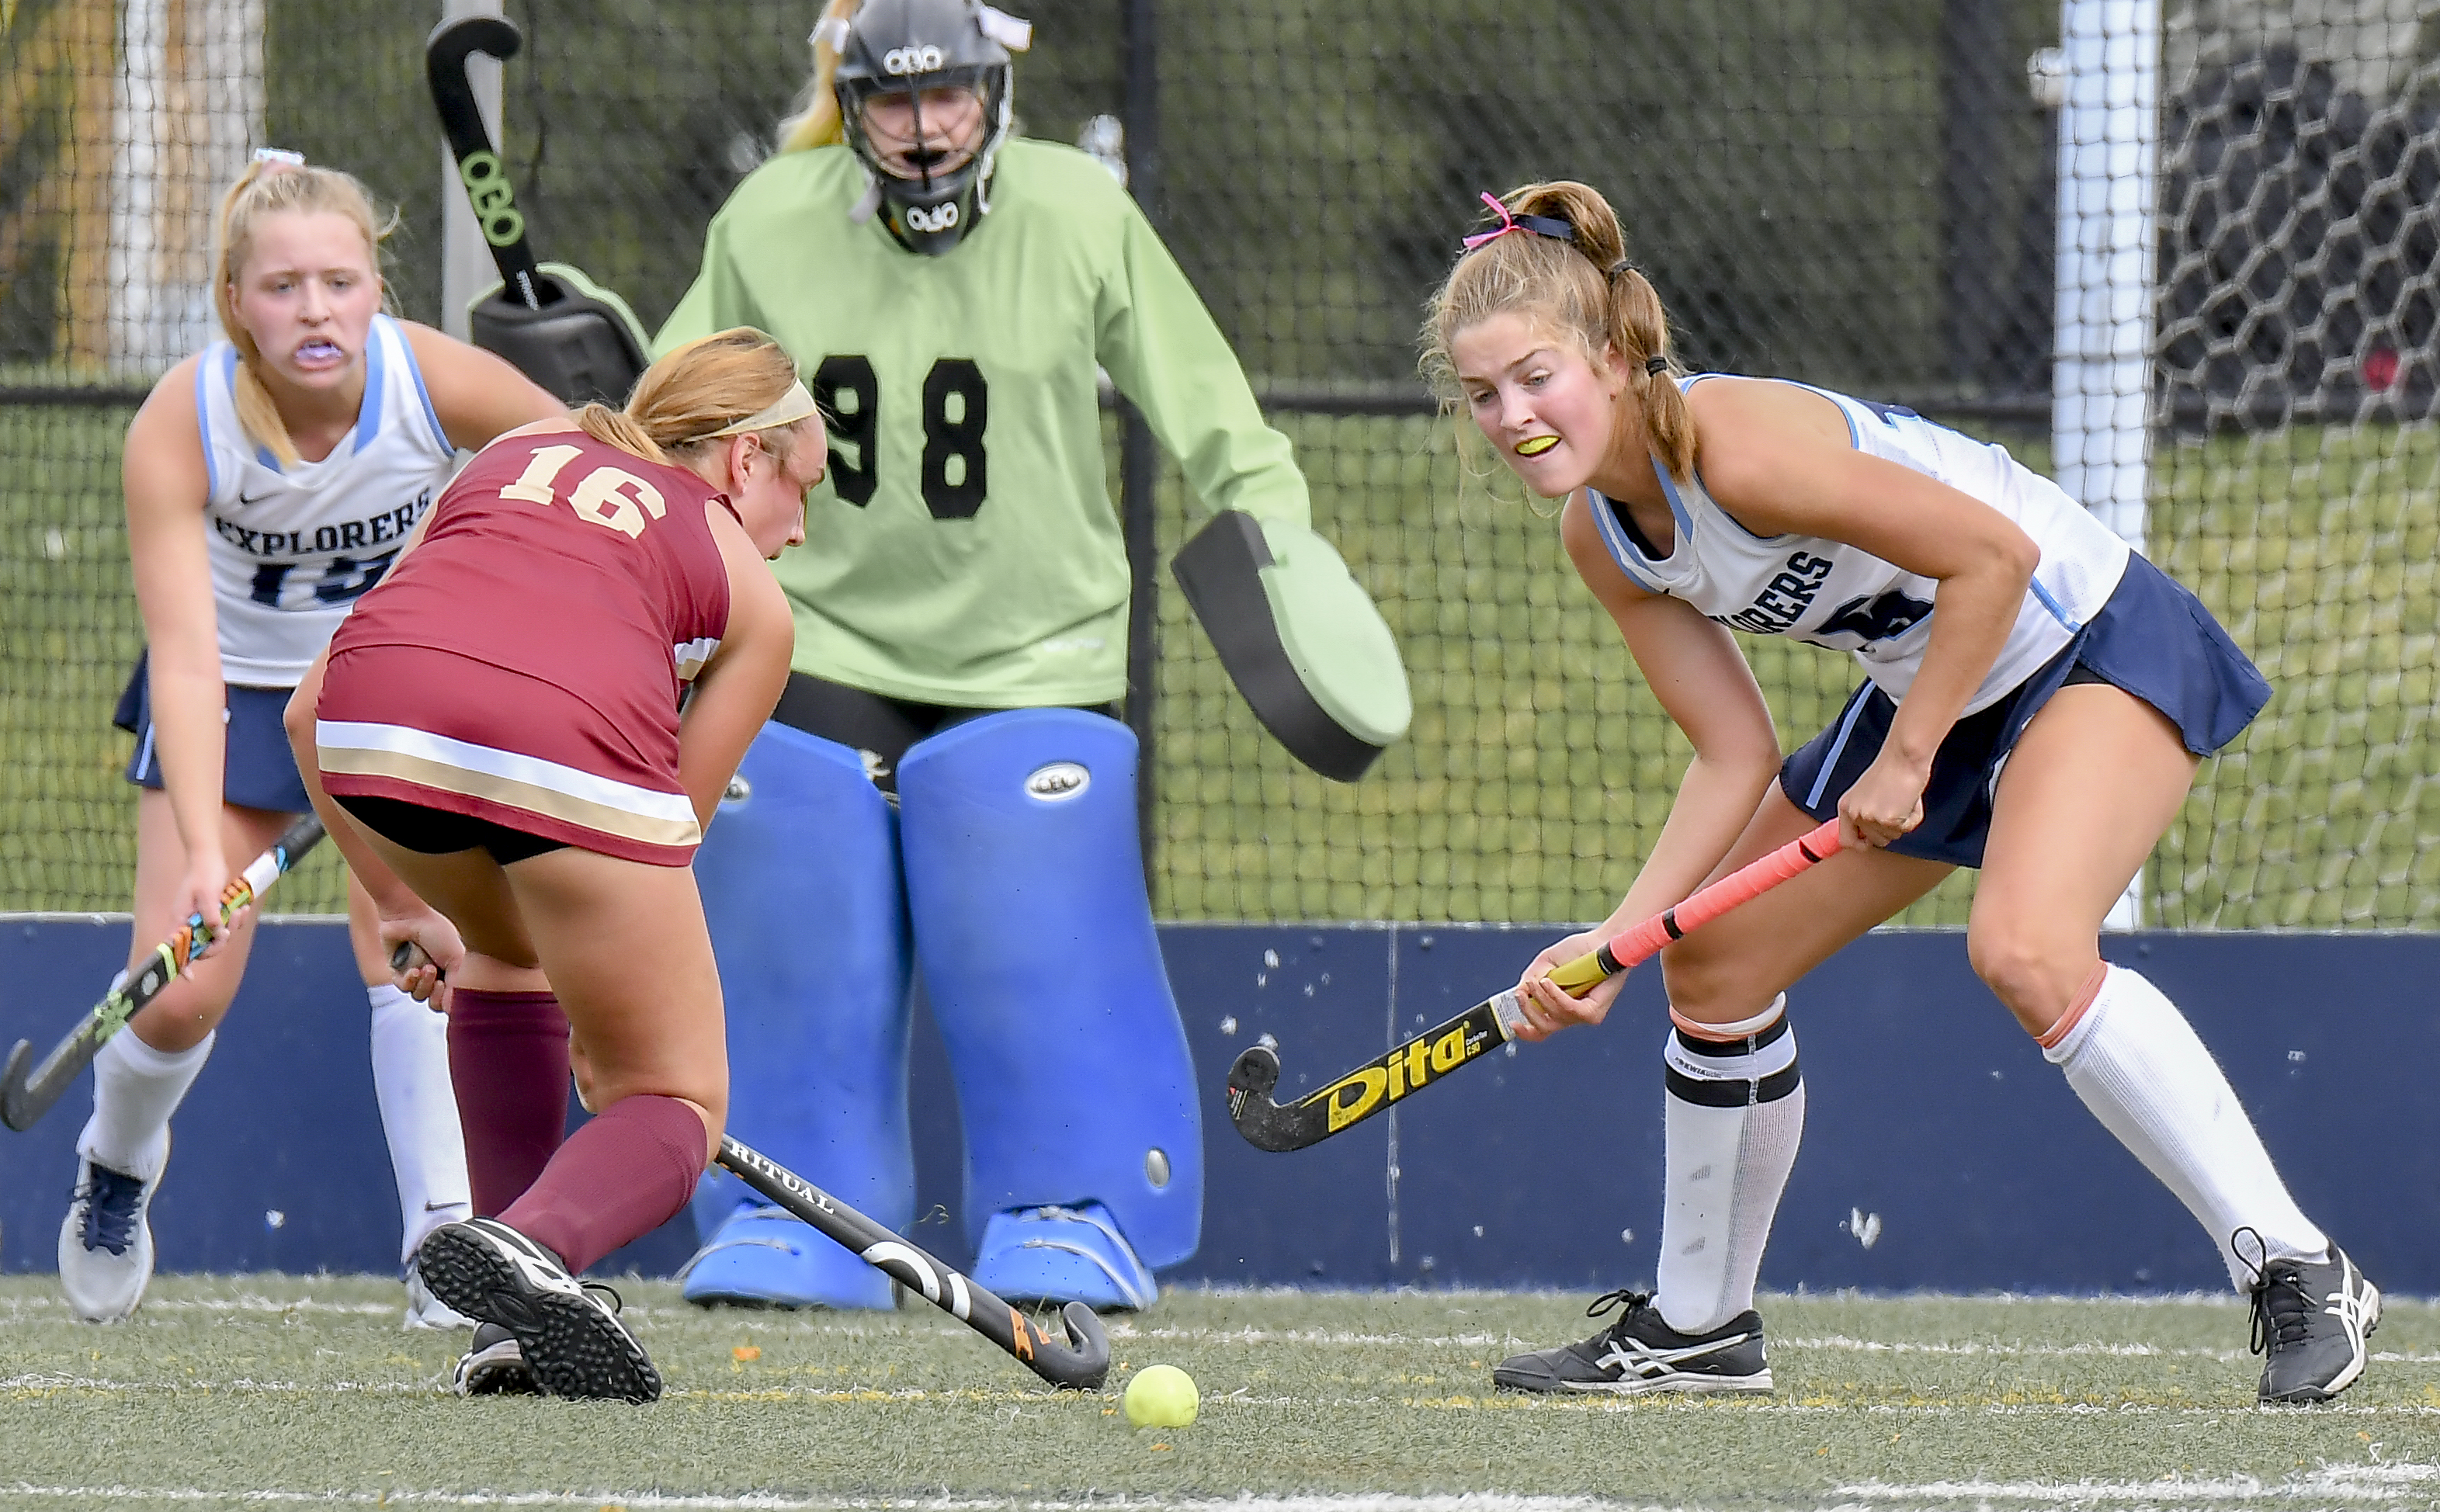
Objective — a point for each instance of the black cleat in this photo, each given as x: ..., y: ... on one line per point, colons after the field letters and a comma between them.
x: 1641, y: 1353
x: 572, y: 1341
x: 2309, y: 1323
x: 494, y: 1366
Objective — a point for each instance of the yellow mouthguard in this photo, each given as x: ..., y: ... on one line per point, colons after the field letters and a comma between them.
x: 1536, y: 446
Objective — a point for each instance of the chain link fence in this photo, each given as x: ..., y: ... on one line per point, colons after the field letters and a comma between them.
x: 1874, y: 195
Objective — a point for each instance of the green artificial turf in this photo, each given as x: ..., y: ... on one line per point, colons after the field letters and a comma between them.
x: 224, y: 1389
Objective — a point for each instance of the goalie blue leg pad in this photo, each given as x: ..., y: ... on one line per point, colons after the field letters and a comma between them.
x: 1033, y: 930
x: 800, y: 877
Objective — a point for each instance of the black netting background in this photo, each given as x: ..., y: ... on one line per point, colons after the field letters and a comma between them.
x: 1859, y: 192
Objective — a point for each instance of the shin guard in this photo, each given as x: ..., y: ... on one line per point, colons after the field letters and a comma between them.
x: 1026, y: 887
x: 800, y: 881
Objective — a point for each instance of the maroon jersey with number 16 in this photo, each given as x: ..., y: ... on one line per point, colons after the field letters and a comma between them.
x: 523, y: 663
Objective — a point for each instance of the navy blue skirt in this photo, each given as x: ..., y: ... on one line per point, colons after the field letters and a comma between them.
x: 259, y: 769
x: 2153, y: 638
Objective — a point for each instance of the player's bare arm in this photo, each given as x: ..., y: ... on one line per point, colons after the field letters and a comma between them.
x: 166, y: 482
x: 478, y: 397
x: 1779, y: 460
x: 1703, y: 683
x: 736, y: 689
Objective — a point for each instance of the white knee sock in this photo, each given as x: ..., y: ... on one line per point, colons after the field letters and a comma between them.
x: 419, y: 1114
x: 2138, y: 1065
x: 136, y: 1089
x: 1734, y: 1115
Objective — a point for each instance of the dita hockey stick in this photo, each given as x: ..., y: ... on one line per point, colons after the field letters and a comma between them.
x: 470, y: 141
x: 26, y: 1095
x: 1080, y: 1362
x: 1436, y: 1051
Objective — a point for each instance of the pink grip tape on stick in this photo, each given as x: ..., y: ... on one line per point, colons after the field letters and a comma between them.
x: 1743, y: 885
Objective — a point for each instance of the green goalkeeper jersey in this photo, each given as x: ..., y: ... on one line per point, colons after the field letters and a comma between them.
x: 965, y: 549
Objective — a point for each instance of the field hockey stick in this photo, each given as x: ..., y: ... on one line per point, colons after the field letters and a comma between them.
x: 1433, y: 1054
x: 24, y: 1098
x: 470, y: 141
x: 1080, y: 1362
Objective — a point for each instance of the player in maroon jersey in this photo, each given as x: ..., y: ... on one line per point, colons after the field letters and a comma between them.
x: 494, y: 739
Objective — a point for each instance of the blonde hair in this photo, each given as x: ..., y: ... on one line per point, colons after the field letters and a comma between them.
x: 1583, y: 288
x: 272, y: 186
x: 816, y: 121
x: 705, y: 385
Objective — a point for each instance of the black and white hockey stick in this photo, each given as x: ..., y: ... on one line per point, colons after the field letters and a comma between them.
x: 26, y: 1095
x: 1080, y: 1362
x: 1374, y: 1086
x: 470, y: 141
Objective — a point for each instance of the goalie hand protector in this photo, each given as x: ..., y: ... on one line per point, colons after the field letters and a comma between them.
x: 583, y: 344
x: 1300, y: 639
x: 905, y: 47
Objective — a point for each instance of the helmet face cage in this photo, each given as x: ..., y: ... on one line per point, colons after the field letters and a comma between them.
x: 888, y: 53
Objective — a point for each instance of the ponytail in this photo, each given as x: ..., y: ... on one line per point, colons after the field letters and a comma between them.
x: 275, y: 182
x: 816, y: 121
x: 1585, y: 286
x: 619, y: 429
x: 696, y: 395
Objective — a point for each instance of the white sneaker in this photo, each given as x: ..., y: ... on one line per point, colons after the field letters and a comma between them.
x: 423, y: 1309
x: 106, y: 1243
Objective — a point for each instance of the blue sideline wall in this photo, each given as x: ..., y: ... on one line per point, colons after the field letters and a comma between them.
x: 1934, y: 1130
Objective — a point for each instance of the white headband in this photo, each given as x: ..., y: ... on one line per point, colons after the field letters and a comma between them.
x: 787, y: 409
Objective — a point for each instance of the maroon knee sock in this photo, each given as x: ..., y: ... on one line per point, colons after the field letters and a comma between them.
x: 617, y: 1178
x: 507, y: 1060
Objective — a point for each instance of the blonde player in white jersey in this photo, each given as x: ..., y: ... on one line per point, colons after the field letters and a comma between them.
x: 269, y: 481
x: 2039, y: 699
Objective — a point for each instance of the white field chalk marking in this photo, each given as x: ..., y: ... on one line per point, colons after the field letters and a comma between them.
x: 2357, y: 1485
x: 2364, y: 1485
x: 1830, y: 1341
x: 752, y: 1502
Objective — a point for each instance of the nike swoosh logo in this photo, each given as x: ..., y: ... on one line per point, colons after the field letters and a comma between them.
x: 443, y: 1207
x: 245, y: 498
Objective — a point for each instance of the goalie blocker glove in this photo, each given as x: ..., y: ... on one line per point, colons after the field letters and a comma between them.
x: 1300, y: 639
x: 583, y: 344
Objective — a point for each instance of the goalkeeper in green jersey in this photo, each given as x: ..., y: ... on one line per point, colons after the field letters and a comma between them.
x: 946, y: 781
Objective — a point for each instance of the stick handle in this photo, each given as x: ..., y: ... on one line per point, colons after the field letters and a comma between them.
x: 27, y: 1091
x: 1746, y: 883
x: 486, y: 178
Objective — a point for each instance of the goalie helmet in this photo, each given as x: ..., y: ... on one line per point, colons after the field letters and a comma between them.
x: 905, y: 47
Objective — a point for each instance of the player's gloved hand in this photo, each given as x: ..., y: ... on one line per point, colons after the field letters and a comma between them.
x: 1547, y: 1006
x: 438, y: 950
x: 1885, y: 803
x: 199, y: 900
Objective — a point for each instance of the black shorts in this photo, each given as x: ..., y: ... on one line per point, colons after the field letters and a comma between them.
x: 880, y: 726
x: 439, y: 832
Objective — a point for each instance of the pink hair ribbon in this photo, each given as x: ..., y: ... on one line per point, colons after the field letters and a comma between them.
x: 1540, y: 226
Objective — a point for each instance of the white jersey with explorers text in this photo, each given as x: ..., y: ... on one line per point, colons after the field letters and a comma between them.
x: 1826, y: 592
x: 292, y: 546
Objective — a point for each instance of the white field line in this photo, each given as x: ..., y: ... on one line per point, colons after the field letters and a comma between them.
x: 752, y: 1502
x: 1831, y: 1341
x: 1248, y: 1337
x: 1020, y: 1399
x: 2369, y: 1486
x: 2346, y: 1484
x: 243, y: 1302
